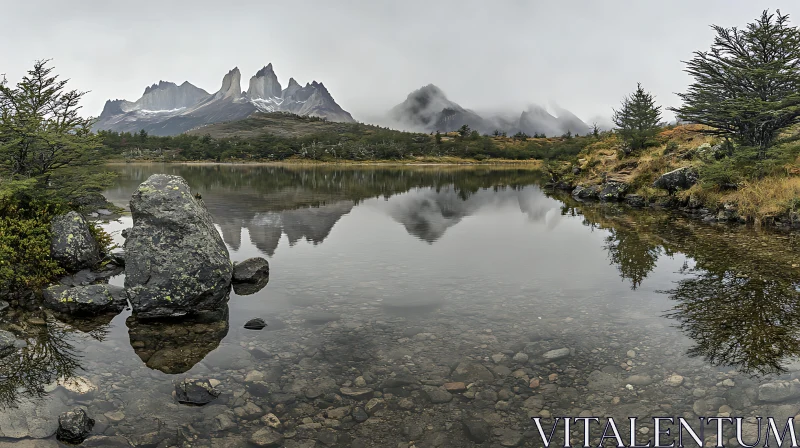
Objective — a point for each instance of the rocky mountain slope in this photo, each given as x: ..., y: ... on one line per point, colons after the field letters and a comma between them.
x: 169, y: 109
x: 428, y: 109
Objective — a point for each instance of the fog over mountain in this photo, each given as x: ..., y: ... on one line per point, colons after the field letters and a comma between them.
x: 584, y: 56
x: 428, y: 109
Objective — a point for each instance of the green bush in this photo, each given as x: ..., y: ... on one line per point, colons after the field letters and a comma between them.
x: 25, y: 261
x: 723, y: 175
x: 103, y: 238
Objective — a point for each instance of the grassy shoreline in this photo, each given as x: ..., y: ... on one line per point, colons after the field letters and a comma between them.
x: 755, y: 191
x: 437, y: 161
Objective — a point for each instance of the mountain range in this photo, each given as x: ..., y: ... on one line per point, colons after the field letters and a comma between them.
x: 169, y: 109
x: 428, y: 109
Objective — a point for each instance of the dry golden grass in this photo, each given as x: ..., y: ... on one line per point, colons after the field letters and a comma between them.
x: 766, y: 198
x: 758, y: 201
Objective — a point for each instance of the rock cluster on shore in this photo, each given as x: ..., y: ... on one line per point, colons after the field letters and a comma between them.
x: 175, y: 262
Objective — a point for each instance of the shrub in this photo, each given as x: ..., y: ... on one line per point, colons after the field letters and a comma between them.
x: 721, y: 175
x: 25, y: 261
x: 103, y: 238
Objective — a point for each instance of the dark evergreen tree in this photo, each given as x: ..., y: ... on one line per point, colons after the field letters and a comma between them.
x: 43, y: 139
x: 638, y: 120
x: 748, y: 86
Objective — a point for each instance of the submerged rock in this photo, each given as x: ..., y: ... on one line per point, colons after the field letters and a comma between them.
x: 255, y: 324
x: 778, y: 391
x: 85, y: 300
x: 74, y: 426
x: 552, y: 355
x: 680, y: 179
x: 476, y: 429
x: 267, y: 437
x: 176, y: 262
x: 34, y: 418
x: 7, y: 343
x: 195, y: 392
x: 72, y: 244
x: 467, y: 371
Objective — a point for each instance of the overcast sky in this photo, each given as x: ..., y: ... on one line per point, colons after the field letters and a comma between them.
x: 486, y: 55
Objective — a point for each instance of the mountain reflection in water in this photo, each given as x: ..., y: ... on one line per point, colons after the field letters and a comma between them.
x: 736, y: 298
x: 306, y: 203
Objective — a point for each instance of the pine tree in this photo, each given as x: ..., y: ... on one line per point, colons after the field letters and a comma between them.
x: 42, y: 137
x: 748, y: 86
x: 638, y: 120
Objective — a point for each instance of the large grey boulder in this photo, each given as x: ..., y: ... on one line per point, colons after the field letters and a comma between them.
x: 72, y: 244
x: 85, y: 300
x: 680, y: 179
x: 175, y: 260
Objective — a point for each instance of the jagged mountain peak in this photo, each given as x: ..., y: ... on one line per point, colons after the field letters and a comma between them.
x: 167, y: 95
x: 159, y: 85
x: 231, y: 85
x: 168, y: 109
x: 264, y: 70
x: 264, y: 84
x: 114, y: 107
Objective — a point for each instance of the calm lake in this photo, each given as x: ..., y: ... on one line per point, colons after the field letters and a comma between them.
x: 386, y: 284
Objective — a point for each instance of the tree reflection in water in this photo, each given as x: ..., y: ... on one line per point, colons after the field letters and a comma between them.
x: 49, y: 356
x: 634, y: 257
x: 751, y: 322
x: 740, y: 301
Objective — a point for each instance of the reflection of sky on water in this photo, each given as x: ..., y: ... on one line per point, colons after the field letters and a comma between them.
x: 424, y: 250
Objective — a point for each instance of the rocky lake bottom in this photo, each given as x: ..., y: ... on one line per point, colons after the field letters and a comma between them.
x: 433, y: 314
